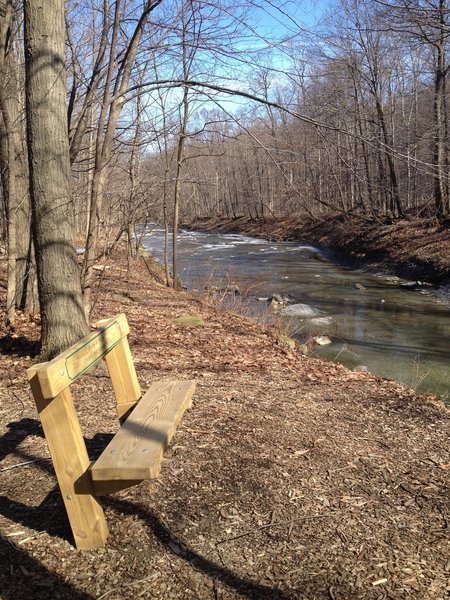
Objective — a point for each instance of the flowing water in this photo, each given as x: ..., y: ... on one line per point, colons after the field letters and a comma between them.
x: 380, y: 323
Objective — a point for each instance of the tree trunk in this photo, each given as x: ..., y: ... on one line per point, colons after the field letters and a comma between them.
x: 440, y: 180
x: 62, y: 314
x: 21, y: 271
x: 109, y: 116
x: 177, y: 189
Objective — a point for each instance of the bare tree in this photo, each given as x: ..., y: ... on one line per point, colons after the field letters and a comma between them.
x: 116, y: 85
x: 63, y: 318
x: 14, y: 171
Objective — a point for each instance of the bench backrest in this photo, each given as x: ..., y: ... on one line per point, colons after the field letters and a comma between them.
x: 108, y: 341
x: 50, y: 384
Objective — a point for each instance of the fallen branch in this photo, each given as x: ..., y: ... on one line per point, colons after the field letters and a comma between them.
x: 22, y: 464
x: 274, y: 524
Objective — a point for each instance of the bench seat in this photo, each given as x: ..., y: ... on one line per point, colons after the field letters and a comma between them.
x: 136, y: 451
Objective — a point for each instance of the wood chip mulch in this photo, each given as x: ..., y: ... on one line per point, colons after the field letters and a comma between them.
x: 288, y: 478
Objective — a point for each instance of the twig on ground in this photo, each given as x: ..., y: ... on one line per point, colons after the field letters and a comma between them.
x: 106, y: 594
x: 23, y: 464
x: 274, y: 524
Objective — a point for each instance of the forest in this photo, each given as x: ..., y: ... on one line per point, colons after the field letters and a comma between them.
x: 180, y: 109
x: 127, y: 123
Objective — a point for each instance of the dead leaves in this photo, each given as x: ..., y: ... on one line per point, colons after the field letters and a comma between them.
x: 288, y: 472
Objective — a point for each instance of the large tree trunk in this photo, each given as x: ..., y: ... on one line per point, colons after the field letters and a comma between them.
x: 14, y: 169
x: 63, y: 320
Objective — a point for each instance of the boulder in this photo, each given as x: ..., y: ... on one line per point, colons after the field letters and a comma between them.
x: 190, y: 321
x: 322, y: 340
x: 301, y: 310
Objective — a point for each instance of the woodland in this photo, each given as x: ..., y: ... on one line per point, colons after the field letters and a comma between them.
x: 178, y: 110
x: 290, y: 477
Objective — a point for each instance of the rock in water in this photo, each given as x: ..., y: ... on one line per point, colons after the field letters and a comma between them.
x: 277, y: 299
x: 321, y: 321
x: 322, y: 340
x: 277, y: 302
x: 301, y: 310
x: 361, y: 369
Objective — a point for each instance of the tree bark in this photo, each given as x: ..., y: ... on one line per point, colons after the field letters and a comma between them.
x: 440, y: 154
x: 62, y: 314
x: 22, y: 285
x: 8, y: 164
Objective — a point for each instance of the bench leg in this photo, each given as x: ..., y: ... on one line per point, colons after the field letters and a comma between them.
x: 71, y: 464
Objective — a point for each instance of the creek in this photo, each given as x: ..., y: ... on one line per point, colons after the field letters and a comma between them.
x: 379, y: 322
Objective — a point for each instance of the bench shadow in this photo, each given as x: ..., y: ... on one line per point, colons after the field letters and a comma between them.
x: 17, y: 432
x: 97, y: 444
x: 244, y: 587
x: 24, y: 577
x: 50, y: 515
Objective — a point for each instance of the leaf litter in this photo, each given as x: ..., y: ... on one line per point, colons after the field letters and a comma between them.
x: 288, y: 478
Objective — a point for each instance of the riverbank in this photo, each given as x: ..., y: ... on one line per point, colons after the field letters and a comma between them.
x: 412, y: 249
x: 289, y: 477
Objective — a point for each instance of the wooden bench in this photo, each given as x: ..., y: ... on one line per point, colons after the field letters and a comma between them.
x: 134, y: 453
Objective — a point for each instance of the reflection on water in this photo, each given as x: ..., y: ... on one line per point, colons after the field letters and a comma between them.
x: 396, y: 332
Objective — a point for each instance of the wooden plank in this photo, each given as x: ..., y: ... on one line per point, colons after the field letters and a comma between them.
x: 71, y: 463
x: 57, y: 374
x: 103, y: 488
x: 124, y: 409
x: 136, y: 450
x: 123, y: 374
x: 122, y: 320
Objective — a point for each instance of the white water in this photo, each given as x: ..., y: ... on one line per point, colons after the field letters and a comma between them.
x: 396, y: 332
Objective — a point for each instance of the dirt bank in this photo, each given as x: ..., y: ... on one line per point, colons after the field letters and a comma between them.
x: 415, y: 249
x: 288, y: 478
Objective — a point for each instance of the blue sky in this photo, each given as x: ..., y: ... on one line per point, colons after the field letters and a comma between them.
x: 262, y: 48
x: 284, y: 18
x: 276, y: 30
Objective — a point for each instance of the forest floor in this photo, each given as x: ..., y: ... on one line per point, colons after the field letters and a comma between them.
x: 288, y: 478
x: 411, y: 248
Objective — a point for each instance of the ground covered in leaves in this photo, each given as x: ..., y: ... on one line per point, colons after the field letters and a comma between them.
x: 288, y: 478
